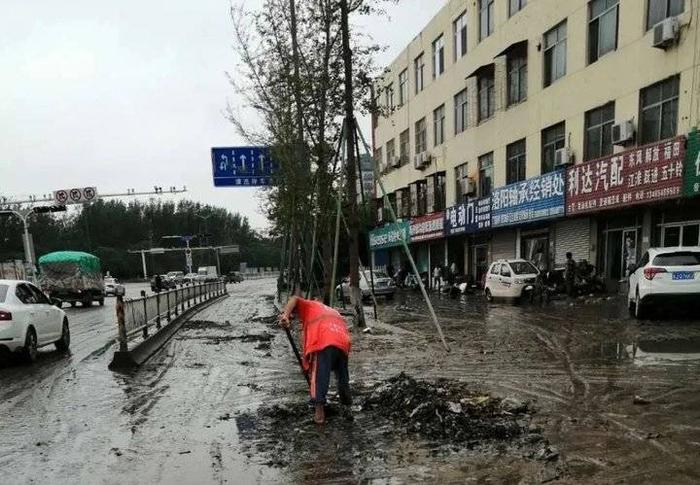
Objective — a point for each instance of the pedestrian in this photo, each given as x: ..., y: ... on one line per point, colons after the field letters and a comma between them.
x: 437, y: 278
x: 569, y: 274
x: 158, y: 283
x: 326, y: 347
x: 452, y: 274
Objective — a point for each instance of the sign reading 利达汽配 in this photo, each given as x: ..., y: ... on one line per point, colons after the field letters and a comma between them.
x: 468, y: 218
x: 242, y: 166
x: 430, y: 226
x: 534, y: 199
x: 691, y: 179
x: 389, y: 236
x: 646, y: 174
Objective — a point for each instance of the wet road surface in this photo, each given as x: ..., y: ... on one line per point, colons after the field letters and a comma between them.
x: 189, y: 415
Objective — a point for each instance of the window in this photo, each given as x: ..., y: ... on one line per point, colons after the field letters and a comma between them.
x: 378, y: 157
x: 405, y: 203
x: 602, y: 28
x: 39, y: 296
x: 404, y: 147
x: 403, y: 87
x: 683, y: 235
x: 553, y: 139
x: 487, y: 94
x: 515, y: 6
x: 598, y: 136
x: 485, y: 175
x: 440, y: 195
x: 421, y: 136
x: 438, y: 56
x: 413, y: 190
x: 25, y: 295
x: 390, y: 152
x: 461, y: 111
x: 680, y: 258
x: 496, y: 269
x: 439, y: 125
x: 461, y: 174
x: 486, y: 20
x: 555, y: 54
x: 659, y: 110
x: 459, y: 31
x: 419, y: 68
x: 422, y: 197
x: 517, y: 76
x: 515, y: 162
x: 3, y: 293
x: 658, y: 10
x: 389, y: 96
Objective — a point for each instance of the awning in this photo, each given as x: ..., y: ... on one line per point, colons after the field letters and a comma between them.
x: 516, y: 46
x: 486, y: 68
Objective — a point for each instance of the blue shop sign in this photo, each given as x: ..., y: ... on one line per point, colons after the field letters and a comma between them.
x: 468, y: 218
x: 534, y: 199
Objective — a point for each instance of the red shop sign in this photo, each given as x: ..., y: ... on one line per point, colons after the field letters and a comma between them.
x: 645, y: 174
x: 425, y: 228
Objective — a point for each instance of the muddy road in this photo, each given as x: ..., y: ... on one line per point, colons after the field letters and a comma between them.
x: 598, y: 398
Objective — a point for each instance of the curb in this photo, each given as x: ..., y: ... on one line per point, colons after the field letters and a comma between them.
x: 134, y: 358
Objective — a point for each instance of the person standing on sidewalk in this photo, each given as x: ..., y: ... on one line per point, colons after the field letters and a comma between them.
x: 326, y: 347
x: 569, y: 274
x: 437, y: 278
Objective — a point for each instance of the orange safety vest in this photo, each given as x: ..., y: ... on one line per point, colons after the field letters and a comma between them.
x: 322, y: 327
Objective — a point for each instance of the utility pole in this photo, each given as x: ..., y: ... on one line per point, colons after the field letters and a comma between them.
x: 351, y: 175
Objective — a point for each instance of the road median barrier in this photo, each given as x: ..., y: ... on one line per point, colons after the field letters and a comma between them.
x: 146, y: 323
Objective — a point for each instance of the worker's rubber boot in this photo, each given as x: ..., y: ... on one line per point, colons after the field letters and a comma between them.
x: 320, y: 414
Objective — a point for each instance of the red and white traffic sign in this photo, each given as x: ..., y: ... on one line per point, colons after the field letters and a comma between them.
x: 75, y: 196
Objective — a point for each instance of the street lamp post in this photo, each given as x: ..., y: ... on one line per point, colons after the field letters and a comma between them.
x: 23, y: 214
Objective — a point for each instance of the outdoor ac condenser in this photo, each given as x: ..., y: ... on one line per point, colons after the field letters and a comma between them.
x: 623, y: 132
x: 666, y: 33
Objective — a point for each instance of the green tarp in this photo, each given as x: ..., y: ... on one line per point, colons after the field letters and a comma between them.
x: 86, y: 262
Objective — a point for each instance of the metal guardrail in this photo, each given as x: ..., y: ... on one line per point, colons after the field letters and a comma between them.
x: 137, y: 315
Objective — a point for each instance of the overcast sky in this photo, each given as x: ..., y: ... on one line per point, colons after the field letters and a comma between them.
x: 130, y: 93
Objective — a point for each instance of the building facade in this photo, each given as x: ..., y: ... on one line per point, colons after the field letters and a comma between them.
x: 531, y: 128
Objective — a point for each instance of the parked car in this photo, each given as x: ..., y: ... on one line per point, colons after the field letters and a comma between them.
x: 664, y: 275
x: 112, y: 287
x: 383, y: 286
x: 234, y: 277
x: 510, y: 279
x: 162, y: 282
x: 177, y: 276
x: 29, y: 320
x: 190, y: 277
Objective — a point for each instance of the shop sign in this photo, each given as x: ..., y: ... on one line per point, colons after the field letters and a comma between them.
x: 389, y: 236
x: 468, y: 218
x: 645, y: 174
x: 427, y: 227
x: 691, y: 181
x: 534, y: 199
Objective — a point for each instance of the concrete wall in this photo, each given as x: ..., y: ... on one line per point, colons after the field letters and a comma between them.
x: 617, y: 76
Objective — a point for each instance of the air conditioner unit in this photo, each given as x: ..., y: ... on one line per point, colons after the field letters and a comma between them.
x: 468, y: 186
x: 419, y: 161
x: 396, y: 162
x: 562, y: 157
x: 666, y: 33
x: 623, y: 132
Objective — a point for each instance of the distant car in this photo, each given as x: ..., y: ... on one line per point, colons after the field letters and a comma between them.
x: 190, y: 278
x: 177, y: 276
x: 28, y: 320
x: 664, y: 275
x: 234, y: 277
x: 383, y: 286
x: 112, y: 287
x: 509, y: 279
x: 165, y: 283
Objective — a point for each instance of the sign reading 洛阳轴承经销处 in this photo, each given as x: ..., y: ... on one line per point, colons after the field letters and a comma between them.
x: 646, y: 174
x: 534, y: 199
x: 691, y: 179
x: 468, y: 218
x: 242, y: 167
x: 389, y: 236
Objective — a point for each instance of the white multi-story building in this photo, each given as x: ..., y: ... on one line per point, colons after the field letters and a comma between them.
x: 498, y: 101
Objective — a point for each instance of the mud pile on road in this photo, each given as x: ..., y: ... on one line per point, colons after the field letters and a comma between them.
x: 447, y: 411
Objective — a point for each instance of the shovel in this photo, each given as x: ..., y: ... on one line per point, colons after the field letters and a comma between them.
x: 298, y: 355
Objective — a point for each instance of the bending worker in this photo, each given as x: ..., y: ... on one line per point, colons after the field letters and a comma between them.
x: 326, y: 346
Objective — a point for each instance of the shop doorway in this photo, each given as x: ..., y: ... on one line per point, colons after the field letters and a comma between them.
x: 480, y: 263
x: 621, y: 251
x: 536, y: 250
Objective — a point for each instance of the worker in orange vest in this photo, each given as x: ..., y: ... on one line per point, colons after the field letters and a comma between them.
x: 326, y: 346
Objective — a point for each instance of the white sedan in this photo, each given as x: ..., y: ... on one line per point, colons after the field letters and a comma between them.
x: 28, y: 321
x: 664, y: 275
x: 510, y: 279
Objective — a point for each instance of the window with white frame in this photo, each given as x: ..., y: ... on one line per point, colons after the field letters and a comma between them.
x: 555, y: 54
x: 390, y: 152
x: 403, y: 87
x: 438, y: 56
x: 421, y: 136
x: 419, y: 72
x: 515, y: 6
x: 516, y: 161
x: 602, y: 28
x: 459, y: 32
x: 404, y: 146
x: 486, y: 18
x: 439, y: 125
x: 461, y: 175
x: 389, y: 96
x: 659, y: 110
x: 598, y: 137
x: 517, y: 75
x: 461, y: 111
x: 487, y: 93
x: 485, y: 175
x: 658, y: 10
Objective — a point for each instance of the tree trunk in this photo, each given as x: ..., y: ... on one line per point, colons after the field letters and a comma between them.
x: 351, y: 175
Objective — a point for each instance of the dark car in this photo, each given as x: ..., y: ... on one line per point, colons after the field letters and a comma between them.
x: 234, y: 277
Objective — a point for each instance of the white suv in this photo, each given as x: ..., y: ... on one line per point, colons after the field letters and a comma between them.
x: 28, y: 320
x: 664, y: 275
x: 509, y: 279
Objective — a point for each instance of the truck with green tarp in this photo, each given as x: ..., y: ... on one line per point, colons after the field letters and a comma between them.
x: 72, y: 277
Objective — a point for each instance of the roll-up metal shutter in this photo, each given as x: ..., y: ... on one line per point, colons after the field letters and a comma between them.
x: 503, y: 245
x: 572, y: 235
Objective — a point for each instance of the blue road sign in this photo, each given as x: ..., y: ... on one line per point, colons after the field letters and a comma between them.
x: 242, y: 166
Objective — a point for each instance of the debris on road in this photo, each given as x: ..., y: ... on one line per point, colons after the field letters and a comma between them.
x: 639, y: 400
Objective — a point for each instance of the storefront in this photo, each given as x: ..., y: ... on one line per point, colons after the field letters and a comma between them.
x: 385, y: 244
x: 467, y: 247
x: 522, y: 215
x: 427, y: 241
x: 627, y: 192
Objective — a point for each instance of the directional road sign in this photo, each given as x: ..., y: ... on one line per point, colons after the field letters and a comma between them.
x: 75, y: 196
x: 242, y: 166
